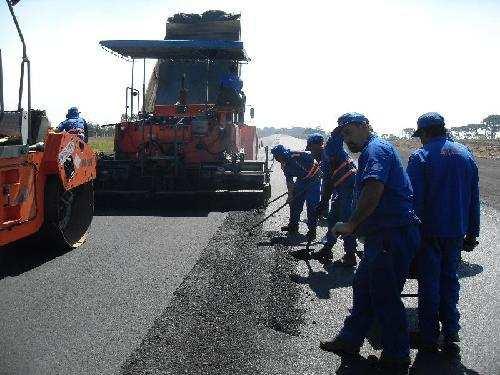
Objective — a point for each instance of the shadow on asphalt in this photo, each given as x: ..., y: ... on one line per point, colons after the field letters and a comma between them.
x: 466, y: 269
x: 284, y: 241
x: 424, y: 364
x: 29, y: 253
x: 322, y: 282
x: 439, y: 364
x: 181, y: 206
x: 25, y: 255
x: 353, y: 365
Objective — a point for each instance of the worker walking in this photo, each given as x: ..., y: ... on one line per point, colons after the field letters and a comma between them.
x: 302, y: 167
x: 444, y: 177
x: 385, y: 219
x: 339, y: 173
x: 74, y: 124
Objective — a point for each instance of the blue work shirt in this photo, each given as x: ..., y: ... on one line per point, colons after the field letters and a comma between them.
x: 333, y: 155
x: 380, y: 160
x: 232, y: 81
x: 298, y: 165
x: 445, y: 181
x: 77, y: 123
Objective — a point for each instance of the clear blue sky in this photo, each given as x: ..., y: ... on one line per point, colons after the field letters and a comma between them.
x: 311, y: 61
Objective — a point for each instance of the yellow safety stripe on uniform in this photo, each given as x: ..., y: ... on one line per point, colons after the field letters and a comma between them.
x: 313, y: 171
x: 346, y: 174
x: 344, y: 177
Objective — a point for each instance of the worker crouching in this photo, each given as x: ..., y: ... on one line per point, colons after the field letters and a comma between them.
x: 303, y: 183
x: 385, y: 219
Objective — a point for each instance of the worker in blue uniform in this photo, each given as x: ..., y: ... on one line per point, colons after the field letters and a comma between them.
x: 74, y: 124
x: 339, y: 173
x: 444, y: 177
x: 315, y: 145
x: 231, y: 91
x: 303, y: 183
x: 385, y: 220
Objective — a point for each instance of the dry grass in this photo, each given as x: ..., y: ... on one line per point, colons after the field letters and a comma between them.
x: 489, y: 149
x: 102, y: 144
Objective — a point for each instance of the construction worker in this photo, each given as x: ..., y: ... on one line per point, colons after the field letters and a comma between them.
x: 384, y: 219
x: 74, y: 124
x: 339, y: 174
x: 306, y: 187
x: 444, y: 177
x: 231, y: 91
x: 314, y: 145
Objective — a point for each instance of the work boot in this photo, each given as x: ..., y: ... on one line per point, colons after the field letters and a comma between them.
x: 348, y: 260
x: 311, y: 234
x: 390, y: 366
x: 339, y: 346
x: 450, y: 346
x: 324, y: 255
x: 291, y: 229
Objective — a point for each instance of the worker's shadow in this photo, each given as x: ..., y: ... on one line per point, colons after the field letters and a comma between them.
x: 424, y: 364
x: 25, y: 255
x: 321, y: 282
x: 439, y: 364
x: 282, y: 240
x: 354, y: 365
x: 466, y: 269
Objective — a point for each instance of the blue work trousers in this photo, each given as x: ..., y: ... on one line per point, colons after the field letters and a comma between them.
x: 340, y: 210
x: 438, y: 287
x: 377, y: 287
x: 307, y: 191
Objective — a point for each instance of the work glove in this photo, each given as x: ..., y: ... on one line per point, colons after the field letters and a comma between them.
x: 470, y: 243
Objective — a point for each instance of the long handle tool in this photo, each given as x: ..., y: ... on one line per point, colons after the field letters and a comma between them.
x: 275, y: 199
x: 295, y: 196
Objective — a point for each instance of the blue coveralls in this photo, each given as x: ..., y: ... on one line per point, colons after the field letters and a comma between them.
x: 391, y: 240
x: 299, y: 166
x: 74, y: 123
x: 334, y: 159
x: 444, y: 176
x: 231, y: 81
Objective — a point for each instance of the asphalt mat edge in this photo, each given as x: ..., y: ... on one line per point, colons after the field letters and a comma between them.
x: 233, y: 306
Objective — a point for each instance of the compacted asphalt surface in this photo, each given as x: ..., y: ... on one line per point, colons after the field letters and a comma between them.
x: 191, y: 291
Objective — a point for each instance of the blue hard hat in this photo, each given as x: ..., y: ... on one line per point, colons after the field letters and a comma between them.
x: 280, y: 150
x: 73, y: 112
x: 352, y: 117
x: 428, y: 120
x: 314, y: 139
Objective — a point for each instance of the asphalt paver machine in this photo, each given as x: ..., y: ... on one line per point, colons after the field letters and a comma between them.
x: 189, y: 136
x: 46, y: 178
